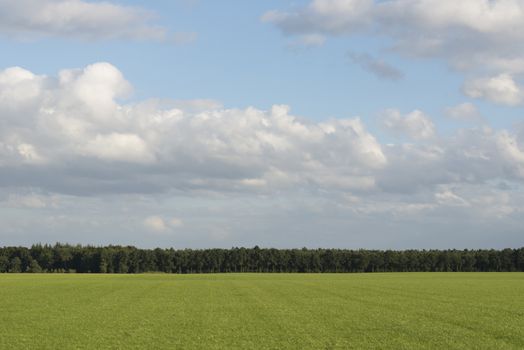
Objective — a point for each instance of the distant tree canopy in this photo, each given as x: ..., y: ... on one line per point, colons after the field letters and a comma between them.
x: 128, y: 259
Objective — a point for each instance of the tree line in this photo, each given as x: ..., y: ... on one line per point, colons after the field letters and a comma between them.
x: 129, y: 259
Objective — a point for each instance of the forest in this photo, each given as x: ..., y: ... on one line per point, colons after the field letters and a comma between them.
x: 128, y: 259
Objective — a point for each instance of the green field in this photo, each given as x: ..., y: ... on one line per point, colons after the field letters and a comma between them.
x: 263, y: 311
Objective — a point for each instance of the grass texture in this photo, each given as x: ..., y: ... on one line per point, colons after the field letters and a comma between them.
x: 263, y: 311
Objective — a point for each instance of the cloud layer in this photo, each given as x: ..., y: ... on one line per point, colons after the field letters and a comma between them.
x: 74, y: 120
x: 71, y: 136
x: 73, y: 123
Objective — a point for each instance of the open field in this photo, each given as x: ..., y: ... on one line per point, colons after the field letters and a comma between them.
x: 262, y: 311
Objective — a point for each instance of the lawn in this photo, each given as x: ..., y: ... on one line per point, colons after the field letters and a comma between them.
x: 263, y: 311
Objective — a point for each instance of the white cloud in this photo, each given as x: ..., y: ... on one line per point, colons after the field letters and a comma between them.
x: 473, y: 36
x: 115, y: 146
x: 500, y: 89
x: 511, y: 150
x: 71, y: 134
x: 76, y: 119
x: 239, y: 175
x: 415, y: 125
x: 96, y: 87
x: 88, y: 20
x: 448, y: 198
x: 419, y: 26
x: 18, y: 85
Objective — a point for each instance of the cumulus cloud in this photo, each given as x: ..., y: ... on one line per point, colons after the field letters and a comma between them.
x: 115, y: 146
x: 74, y: 120
x: 473, y: 36
x: 71, y: 134
x: 82, y: 19
x: 480, y: 157
x: 421, y: 27
x: 415, y: 125
x: 500, y: 89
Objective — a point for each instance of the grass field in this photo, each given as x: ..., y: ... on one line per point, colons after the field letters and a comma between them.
x: 263, y: 311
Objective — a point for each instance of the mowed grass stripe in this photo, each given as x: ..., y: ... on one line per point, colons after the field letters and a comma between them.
x: 263, y: 311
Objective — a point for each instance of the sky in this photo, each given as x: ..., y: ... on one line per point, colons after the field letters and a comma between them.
x: 392, y: 124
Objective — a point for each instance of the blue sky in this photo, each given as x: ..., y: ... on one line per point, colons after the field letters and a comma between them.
x: 241, y: 61
x: 163, y: 123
